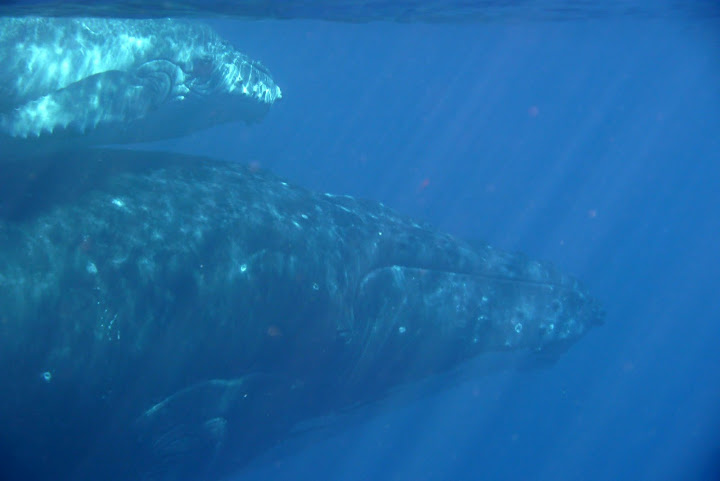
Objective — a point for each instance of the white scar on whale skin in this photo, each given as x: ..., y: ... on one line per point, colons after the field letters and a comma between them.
x: 123, y: 80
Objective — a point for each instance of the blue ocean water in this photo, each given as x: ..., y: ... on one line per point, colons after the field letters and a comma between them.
x: 591, y: 142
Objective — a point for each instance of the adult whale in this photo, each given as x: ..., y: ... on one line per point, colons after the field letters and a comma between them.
x: 87, y: 81
x: 171, y: 318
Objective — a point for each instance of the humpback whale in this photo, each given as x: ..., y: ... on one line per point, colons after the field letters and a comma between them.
x: 88, y: 81
x: 165, y: 318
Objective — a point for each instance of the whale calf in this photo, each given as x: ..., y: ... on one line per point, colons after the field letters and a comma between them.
x: 171, y: 318
x: 69, y: 82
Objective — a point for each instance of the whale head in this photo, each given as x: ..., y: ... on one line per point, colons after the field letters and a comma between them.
x: 203, y: 75
x: 217, y: 68
x: 434, y: 302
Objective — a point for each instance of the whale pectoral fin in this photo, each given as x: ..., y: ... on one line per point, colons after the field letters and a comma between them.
x: 185, y: 433
x: 101, y: 99
x: 185, y: 430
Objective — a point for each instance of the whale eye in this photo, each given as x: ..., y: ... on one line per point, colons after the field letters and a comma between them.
x: 204, y: 76
x: 203, y: 68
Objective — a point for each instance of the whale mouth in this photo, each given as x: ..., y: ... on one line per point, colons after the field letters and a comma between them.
x: 433, y: 319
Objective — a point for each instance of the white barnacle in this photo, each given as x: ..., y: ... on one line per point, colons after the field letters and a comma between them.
x: 243, y: 267
x: 402, y: 329
x: 47, y: 376
x: 118, y: 203
x: 518, y: 327
x: 91, y: 268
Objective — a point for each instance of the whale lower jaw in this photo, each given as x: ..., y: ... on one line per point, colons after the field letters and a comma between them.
x: 418, y: 314
x: 22, y: 138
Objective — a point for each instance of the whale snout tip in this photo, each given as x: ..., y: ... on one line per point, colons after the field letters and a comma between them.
x: 269, y: 94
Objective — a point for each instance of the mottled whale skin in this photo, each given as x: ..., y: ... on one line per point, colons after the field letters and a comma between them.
x: 88, y: 81
x: 167, y: 318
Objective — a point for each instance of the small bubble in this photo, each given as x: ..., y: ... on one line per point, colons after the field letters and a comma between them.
x: 315, y: 286
x: 402, y: 329
x: 47, y: 376
x: 518, y: 328
x: 243, y: 268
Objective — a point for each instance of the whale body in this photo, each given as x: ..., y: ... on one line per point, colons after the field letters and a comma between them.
x: 69, y: 82
x: 168, y: 318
